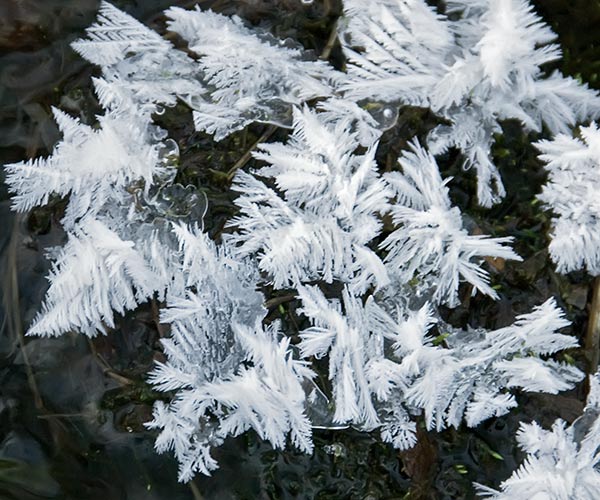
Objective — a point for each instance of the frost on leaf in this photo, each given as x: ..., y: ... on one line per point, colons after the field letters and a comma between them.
x: 265, y: 394
x: 573, y: 166
x: 319, y: 222
x: 561, y: 463
x: 95, y: 273
x: 474, y: 71
x: 430, y: 243
x: 250, y: 76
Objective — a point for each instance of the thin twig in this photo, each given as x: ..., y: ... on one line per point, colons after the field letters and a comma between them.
x: 16, y: 325
x: 62, y: 415
x: 276, y: 301
x: 195, y: 491
x: 248, y: 154
x: 106, y: 368
x: 592, y: 337
x: 330, y: 43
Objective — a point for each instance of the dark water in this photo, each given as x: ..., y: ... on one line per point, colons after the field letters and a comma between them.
x: 72, y: 411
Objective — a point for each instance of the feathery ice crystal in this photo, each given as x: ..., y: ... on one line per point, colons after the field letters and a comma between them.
x: 328, y: 214
x: 254, y: 76
x: 430, y: 242
x: 467, y: 380
x: 215, y: 316
x: 573, y: 166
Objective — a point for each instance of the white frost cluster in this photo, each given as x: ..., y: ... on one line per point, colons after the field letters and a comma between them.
x: 321, y: 224
x: 475, y: 69
x: 237, y: 75
x: 249, y: 75
x: 573, y: 166
x: 465, y: 380
x: 320, y: 215
x: 562, y: 463
x: 93, y: 166
x: 94, y: 274
x: 430, y: 244
x: 266, y: 396
x: 114, y: 258
x: 210, y: 291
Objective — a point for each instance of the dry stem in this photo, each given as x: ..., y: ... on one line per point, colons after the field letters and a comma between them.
x: 592, y: 337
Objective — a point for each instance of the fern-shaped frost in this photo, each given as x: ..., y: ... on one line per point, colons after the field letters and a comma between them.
x: 95, y: 274
x: 345, y: 340
x: 93, y: 166
x: 471, y: 377
x: 240, y: 76
x: 403, y: 47
x: 385, y: 368
x: 320, y: 225
x: 266, y: 395
x: 115, y: 35
x: 314, y: 212
x: 474, y: 71
x: 467, y: 379
x: 141, y: 70
x: 228, y: 376
x: 211, y: 291
x: 250, y: 75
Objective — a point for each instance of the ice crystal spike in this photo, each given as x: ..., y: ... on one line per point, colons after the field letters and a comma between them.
x: 561, y: 463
